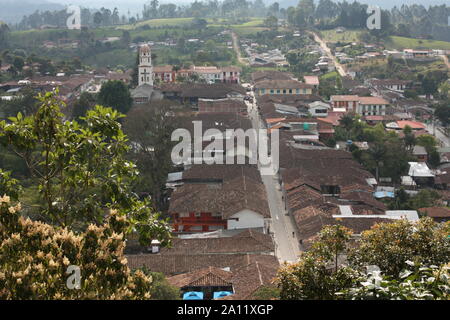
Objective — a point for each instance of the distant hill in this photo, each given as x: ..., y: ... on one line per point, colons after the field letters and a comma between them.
x: 385, y: 4
x: 12, y: 11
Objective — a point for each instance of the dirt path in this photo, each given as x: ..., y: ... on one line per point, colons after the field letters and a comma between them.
x: 327, y: 50
x: 237, y: 49
x: 445, y: 58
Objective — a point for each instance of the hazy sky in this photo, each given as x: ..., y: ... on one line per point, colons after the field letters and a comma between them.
x: 139, y: 3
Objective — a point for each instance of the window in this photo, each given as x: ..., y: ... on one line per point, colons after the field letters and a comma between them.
x: 278, y: 91
x: 271, y: 91
x: 290, y: 90
x: 329, y: 189
x: 297, y: 91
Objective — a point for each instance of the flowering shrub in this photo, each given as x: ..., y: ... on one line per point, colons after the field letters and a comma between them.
x: 34, y: 258
x: 418, y: 282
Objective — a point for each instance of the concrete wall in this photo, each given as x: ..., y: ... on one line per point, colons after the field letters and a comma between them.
x: 247, y: 219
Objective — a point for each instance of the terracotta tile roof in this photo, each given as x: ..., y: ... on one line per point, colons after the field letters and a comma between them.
x: 208, y: 277
x: 312, y: 80
x: 177, y: 264
x: 245, y: 279
x: 344, y: 98
x: 282, y: 84
x: 227, y: 198
x: 200, y: 90
x: 248, y: 279
x: 167, y: 68
x: 436, y: 212
x: 373, y: 100
x: 270, y: 75
x: 223, y: 172
x: 221, y: 121
x: 248, y: 241
x: 312, y: 219
x: 413, y: 124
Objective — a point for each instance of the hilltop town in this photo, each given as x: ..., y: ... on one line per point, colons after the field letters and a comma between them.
x: 356, y: 123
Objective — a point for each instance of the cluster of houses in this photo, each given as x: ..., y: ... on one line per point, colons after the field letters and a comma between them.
x: 259, y: 57
x: 209, y: 74
x: 223, y: 246
x: 219, y: 213
x: 70, y: 86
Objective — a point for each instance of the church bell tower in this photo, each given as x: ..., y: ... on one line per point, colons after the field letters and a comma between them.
x: 145, y: 66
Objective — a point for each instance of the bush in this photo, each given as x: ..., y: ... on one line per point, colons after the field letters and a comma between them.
x: 35, y: 257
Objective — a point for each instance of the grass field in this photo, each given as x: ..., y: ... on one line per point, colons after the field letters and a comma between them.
x: 174, y: 22
x: 330, y: 75
x: 410, y: 43
x: 347, y: 36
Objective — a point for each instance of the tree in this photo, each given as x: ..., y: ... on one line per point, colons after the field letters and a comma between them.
x: 4, y: 35
x: 161, y: 289
x: 126, y: 38
x: 81, y: 170
x: 149, y: 129
x: 390, y: 245
x: 417, y: 282
x: 409, y: 139
x: 271, y: 22
x: 115, y: 94
x: 18, y: 63
x: 84, y: 103
x: 442, y: 112
x: 392, y: 248
x: 26, y: 104
x: 35, y: 257
x: 429, y: 85
x: 427, y: 141
x: 312, y: 277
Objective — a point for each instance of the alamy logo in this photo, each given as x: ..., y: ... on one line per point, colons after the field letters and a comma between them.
x: 374, y: 20
x: 74, y: 20
x: 227, y: 147
x: 74, y: 280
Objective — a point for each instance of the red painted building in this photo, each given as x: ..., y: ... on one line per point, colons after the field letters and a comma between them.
x: 198, y: 222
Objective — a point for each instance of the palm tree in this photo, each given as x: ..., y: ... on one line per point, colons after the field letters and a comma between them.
x: 377, y: 152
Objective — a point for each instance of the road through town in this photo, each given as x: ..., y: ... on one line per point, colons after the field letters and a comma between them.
x: 282, y: 226
x: 330, y: 55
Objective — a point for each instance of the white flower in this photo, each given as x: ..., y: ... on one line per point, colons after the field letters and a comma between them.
x: 5, y: 199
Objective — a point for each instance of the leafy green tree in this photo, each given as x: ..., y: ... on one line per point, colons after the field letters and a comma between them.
x: 316, y: 276
x: 149, y: 129
x: 84, y: 103
x: 161, y: 289
x: 417, y: 282
x: 390, y: 245
x: 18, y: 63
x: 442, y: 112
x: 81, y: 170
x: 26, y: 104
x: 115, y: 94
x: 427, y: 141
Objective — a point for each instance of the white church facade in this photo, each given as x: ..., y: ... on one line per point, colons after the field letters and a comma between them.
x: 145, y: 91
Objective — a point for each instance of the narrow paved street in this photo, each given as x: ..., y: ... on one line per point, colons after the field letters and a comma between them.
x: 282, y: 225
x: 327, y: 50
x: 445, y: 140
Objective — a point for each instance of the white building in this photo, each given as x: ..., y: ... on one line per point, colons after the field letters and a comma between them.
x: 145, y: 66
x: 319, y: 109
x: 372, y: 106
